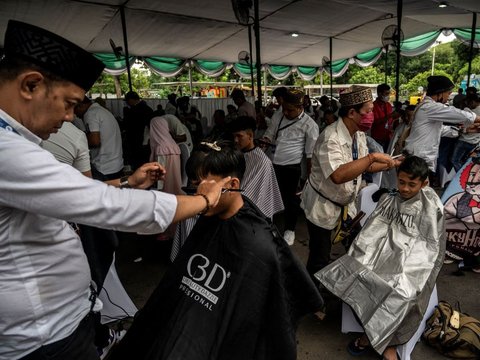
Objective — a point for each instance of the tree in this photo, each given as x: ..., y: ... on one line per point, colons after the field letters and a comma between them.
x: 421, y: 80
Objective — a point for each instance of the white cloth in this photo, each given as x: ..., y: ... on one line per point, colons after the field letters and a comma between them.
x: 108, y: 158
x: 332, y: 150
x: 247, y: 109
x: 69, y: 146
x: 293, y: 141
x: 44, y: 274
x: 177, y: 128
x: 260, y: 183
x: 472, y: 138
x: 426, y: 131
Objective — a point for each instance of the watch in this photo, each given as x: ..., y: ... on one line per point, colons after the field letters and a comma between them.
x: 124, y: 182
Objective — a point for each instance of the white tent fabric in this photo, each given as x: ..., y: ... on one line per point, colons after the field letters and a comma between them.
x: 208, y: 30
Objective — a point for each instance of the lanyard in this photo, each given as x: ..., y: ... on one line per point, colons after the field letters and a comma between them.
x: 354, y: 153
x: 6, y: 126
x: 280, y: 128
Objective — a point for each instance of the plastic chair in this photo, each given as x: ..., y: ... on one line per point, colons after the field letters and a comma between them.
x: 116, y: 302
x: 365, y: 202
x: 350, y: 324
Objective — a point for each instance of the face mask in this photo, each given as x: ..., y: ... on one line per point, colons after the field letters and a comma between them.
x: 385, y: 98
x: 366, y: 121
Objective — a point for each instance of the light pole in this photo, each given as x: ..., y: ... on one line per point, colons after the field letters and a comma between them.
x: 433, y: 56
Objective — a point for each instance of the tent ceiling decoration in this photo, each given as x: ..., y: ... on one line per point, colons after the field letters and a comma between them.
x: 208, y: 33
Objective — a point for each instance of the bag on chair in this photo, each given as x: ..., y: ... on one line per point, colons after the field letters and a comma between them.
x: 454, y: 334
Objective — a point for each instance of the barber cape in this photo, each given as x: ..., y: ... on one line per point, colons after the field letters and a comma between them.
x: 389, y: 272
x: 235, y: 291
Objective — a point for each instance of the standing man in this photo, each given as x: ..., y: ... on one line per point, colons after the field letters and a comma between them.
x: 259, y: 181
x: 136, y: 117
x: 382, y: 128
x: 244, y: 107
x: 431, y: 113
x: 45, y: 296
x: 293, y: 135
x: 104, y: 140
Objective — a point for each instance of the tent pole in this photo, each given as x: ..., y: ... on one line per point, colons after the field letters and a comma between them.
x: 470, y: 53
x: 190, y: 78
x: 399, y: 30
x: 331, y: 68
x: 125, y: 45
x: 321, y: 82
x: 386, y: 64
x: 258, y: 64
x: 250, y: 61
x: 265, y: 84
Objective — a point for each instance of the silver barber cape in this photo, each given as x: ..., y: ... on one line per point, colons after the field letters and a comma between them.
x: 389, y: 272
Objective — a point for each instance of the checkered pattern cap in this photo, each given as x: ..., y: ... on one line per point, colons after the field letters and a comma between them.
x: 356, y: 95
x: 52, y: 53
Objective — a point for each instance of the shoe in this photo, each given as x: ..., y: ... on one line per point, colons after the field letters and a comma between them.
x: 114, y: 338
x: 355, y: 349
x: 448, y: 261
x: 289, y: 237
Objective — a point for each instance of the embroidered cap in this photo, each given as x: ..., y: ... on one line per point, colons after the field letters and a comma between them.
x: 52, y: 53
x: 355, y: 95
x: 294, y: 97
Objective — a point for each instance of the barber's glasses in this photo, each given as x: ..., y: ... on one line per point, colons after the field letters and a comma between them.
x: 192, y: 190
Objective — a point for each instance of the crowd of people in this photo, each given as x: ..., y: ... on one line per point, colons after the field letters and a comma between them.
x: 234, y: 288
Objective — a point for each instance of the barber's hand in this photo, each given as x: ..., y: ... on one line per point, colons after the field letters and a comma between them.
x: 212, y: 189
x: 384, y: 159
x: 263, y: 143
x: 147, y: 175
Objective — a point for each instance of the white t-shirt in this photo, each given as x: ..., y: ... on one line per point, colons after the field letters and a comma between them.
x: 108, y: 158
x: 472, y: 138
x: 292, y: 138
x: 69, y: 146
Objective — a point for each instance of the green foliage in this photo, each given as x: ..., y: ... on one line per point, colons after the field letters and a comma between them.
x: 421, y: 80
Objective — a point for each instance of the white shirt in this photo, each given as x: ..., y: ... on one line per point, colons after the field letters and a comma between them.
x: 69, y: 146
x: 332, y: 150
x: 294, y: 140
x: 472, y: 138
x: 108, y: 158
x: 247, y: 109
x: 44, y: 273
x: 426, y: 131
x: 176, y: 127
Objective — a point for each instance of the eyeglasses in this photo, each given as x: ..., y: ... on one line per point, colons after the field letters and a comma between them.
x: 192, y: 190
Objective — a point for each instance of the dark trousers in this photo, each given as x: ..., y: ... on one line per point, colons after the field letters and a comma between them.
x: 78, y: 346
x: 319, y: 246
x: 287, y: 178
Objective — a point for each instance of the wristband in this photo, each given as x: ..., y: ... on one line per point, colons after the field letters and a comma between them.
x: 207, y: 206
x: 124, y: 182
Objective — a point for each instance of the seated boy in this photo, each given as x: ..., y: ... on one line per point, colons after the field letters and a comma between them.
x: 389, y: 272
x: 235, y: 290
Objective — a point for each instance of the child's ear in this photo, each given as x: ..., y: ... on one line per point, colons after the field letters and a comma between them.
x: 235, y: 183
x: 425, y: 183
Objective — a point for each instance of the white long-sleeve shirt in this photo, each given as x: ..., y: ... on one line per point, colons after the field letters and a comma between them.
x: 44, y: 274
x: 426, y: 131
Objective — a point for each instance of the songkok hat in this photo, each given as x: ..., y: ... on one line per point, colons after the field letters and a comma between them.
x: 52, y: 53
x: 294, y: 97
x: 356, y: 95
x: 438, y: 84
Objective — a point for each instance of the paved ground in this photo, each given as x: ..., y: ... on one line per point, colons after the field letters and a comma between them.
x: 316, y: 339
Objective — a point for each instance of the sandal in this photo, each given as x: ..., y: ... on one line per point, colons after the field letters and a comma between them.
x: 354, y: 348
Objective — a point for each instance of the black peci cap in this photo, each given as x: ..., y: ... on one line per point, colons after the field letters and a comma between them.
x: 52, y: 53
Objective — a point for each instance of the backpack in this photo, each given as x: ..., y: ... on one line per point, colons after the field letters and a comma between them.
x: 454, y: 334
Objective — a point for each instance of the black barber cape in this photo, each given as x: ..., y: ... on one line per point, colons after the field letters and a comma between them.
x: 235, y: 291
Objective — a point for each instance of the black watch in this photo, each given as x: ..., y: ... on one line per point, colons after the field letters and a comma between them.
x: 124, y: 182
